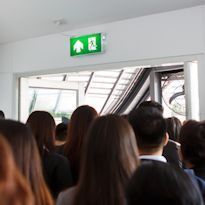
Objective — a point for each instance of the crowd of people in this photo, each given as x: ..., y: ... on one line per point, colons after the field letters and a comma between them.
x: 138, y: 159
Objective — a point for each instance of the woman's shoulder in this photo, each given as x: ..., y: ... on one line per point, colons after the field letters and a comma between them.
x: 66, y: 197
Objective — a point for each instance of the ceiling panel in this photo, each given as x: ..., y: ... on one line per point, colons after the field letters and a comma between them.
x: 22, y: 19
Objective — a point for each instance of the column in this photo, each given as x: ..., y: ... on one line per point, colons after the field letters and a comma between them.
x: 191, y: 90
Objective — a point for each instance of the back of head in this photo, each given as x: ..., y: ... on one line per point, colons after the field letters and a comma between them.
x: 13, y: 187
x: 110, y: 157
x: 61, y: 132
x: 173, y: 128
x: 192, y: 139
x: 78, y: 125
x: 27, y: 157
x: 43, y: 127
x: 21, y: 141
x: 160, y: 183
x: 155, y: 106
x: 2, y: 115
x: 149, y: 127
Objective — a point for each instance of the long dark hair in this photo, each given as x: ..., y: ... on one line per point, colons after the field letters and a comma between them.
x: 14, y: 189
x: 110, y: 157
x: 43, y: 127
x: 27, y: 158
x: 78, y: 125
x: 173, y: 128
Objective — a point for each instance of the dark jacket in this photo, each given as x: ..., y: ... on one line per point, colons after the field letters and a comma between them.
x: 57, y: 172
x: 171, y: 153
x: 197, y: 175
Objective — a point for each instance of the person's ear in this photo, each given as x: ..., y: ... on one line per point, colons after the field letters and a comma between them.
x: 166, y: 139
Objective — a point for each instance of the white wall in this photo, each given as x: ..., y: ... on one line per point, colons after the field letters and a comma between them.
x: 6, y: 82
x: 166, y: 35
x: 156, y: 36
x: 6, y: 94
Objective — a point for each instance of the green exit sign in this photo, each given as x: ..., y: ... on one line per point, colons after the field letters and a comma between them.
x: 87, y: 44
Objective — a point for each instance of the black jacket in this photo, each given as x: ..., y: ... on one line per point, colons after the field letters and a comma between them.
x: 57, y: 172
x: 171, y: 153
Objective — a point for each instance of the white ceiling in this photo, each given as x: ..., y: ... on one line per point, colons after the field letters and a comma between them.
x: 21, y: 19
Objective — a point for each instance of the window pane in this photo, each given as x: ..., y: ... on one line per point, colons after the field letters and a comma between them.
x: 67, y: 101
x: 59, y: 103
x: 173, y: 98
x: 95, y: 101
x: 45, y: 99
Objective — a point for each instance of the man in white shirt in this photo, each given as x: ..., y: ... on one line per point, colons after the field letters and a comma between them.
x: 150, y: 131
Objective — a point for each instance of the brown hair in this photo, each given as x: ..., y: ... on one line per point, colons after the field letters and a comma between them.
x: 43, y: 127
x: 14, y: 189
x: 77, y: 129
x: 110, y: 157
x: 27, y: 158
